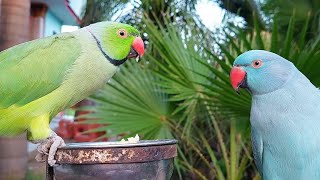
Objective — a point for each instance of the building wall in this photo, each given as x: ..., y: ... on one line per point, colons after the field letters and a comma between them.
x: 52, y: 24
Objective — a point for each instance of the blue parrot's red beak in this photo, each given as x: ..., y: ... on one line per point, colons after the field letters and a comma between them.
x: 238, y: 78
x: 137, y: 49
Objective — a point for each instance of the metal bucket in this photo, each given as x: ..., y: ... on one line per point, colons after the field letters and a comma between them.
x: 150, y: 160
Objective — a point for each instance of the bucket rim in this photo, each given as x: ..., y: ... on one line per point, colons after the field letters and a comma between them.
x: 117, y: 144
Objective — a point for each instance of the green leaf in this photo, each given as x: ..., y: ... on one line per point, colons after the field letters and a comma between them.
x: 289, y: 37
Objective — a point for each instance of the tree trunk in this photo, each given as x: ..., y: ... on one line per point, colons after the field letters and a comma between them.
x: 14, y: 22
x: 13, y: 157
x: 14, y: 29
x: 37, y: 20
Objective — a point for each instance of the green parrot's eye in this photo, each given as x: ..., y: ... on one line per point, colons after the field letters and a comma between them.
x: 122, y: 33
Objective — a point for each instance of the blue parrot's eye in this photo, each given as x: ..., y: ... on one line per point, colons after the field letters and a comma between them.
x: 256, y: 63
x: 122, y: 33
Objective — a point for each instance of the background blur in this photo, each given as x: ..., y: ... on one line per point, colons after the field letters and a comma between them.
x: 181, y: 87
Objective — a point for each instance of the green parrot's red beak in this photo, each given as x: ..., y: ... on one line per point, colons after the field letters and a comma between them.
x: 137, y: 49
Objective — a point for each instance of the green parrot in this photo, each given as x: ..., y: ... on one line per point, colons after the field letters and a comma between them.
x: 40, y: 78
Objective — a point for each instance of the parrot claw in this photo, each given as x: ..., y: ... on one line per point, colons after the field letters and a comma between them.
x: 57, y: 142
x: 41, y: 157
x: 52, y: 162
x: 43, y: 148
x: 47, y: 149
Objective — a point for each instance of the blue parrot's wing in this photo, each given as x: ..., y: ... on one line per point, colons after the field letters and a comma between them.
x: 257, y: 146
x: 32, y: 70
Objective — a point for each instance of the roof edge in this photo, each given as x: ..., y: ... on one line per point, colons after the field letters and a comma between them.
x: 78, y: 20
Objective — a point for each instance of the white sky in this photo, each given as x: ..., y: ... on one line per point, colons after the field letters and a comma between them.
x: 77, y: 6
x: 66, y: 28
x: 210, y: 13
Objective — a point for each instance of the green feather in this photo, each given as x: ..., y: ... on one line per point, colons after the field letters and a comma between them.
x: 36, y: 68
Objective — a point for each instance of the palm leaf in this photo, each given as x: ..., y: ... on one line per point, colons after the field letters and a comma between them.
x: 133, y: 104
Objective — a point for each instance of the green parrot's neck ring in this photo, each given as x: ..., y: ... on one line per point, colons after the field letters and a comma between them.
x: 111, y: 60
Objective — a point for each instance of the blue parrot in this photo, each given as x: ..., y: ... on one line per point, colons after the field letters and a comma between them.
x: 285, y: 116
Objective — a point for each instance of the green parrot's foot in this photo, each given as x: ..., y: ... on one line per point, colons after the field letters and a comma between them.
x: 48, y: 148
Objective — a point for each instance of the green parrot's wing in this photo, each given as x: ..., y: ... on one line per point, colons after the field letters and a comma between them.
x: 34, y: 69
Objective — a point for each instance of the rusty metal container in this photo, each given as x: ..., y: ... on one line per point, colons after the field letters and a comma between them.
x: 150, y: 160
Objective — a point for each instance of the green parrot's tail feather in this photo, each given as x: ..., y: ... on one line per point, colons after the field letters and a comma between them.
x: 15, y: 120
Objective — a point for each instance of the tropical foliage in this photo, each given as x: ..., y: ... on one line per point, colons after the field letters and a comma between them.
x: 181, y: 90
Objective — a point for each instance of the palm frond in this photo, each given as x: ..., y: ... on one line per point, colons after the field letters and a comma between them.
x: 132, y: 103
